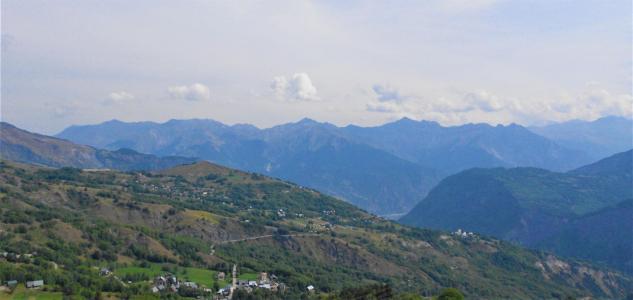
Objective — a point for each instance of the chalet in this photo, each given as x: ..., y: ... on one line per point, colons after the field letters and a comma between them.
x: 263, y: 277
x: 35, y: 284
x: 221, y: 276
x: 12, y: 283
x: 104, y: 272
x: 191, y: 284
x: 310, y: 288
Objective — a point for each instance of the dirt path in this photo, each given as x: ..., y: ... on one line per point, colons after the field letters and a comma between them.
x: 266, y: 236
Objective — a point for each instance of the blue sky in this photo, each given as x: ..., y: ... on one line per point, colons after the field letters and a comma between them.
x: 270, y: 62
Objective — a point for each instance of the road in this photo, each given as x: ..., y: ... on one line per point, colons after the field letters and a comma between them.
x: 266, y: 236
x: 234, y: 282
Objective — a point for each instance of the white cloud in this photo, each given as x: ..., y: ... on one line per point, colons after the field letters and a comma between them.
x: 118, y: 97
x: 194, y: 92
x: 387, y: 93
x: 483, y: 100
x: 384, y: 107
x: 299, y: 87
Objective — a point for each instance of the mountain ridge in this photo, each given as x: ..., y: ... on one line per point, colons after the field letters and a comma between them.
x: 406, y: 158
x: 23, y: 146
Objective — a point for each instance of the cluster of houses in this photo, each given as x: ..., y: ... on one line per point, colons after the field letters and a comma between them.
x: 463, y: 234
x: 30, y: 284
x: 330, y: 212
x: 17, y: 257
x: 264, y: 281
x: 169, y: 283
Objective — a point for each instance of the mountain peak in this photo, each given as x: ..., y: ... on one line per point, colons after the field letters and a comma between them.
x: 406, y: 120
x: 113, y: 121
x: 307, y: 121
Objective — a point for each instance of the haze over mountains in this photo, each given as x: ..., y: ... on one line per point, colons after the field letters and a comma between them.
x: 598, y: 139
x: 584, y: 213
x: 386, y: 169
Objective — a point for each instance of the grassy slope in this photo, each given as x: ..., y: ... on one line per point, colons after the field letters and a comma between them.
x: 180, y: 219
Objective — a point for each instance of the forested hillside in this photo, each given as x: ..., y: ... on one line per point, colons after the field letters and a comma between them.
x: 198, y: 220
x: 536, y: 207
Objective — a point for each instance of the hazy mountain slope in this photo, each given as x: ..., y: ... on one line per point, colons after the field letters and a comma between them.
x: 453, y: 149
x: 23, y: 146
x: 618, y: 164
x: 313, y: 154
x: 319, y: 156
x: 599, y: 138
x: 527, y: 205
x: 603, y: 236
x: 200, y: 216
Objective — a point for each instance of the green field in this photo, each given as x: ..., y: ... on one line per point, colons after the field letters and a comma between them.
x: 200, y: 276
x: 152, y: 271
x: 21, y: 293
x: 248, y: 276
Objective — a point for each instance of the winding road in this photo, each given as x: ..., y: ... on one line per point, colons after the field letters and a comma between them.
x: 266, y: 236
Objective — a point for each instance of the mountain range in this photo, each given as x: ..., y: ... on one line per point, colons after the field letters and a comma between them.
x: 598, y: 139
x: 385, y: 169
x: 582, y: 213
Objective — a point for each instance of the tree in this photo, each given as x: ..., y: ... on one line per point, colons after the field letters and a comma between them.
x: 451, y: 294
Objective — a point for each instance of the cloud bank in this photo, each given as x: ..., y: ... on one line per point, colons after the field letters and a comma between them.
x: 483, y: 106
x: 194, y: 92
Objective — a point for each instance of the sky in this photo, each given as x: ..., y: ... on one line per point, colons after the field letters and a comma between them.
x: 344, y: 62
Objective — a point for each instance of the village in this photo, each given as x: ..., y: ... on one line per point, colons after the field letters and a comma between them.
x: 169, y: 283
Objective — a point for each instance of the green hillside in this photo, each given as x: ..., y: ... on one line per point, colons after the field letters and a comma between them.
x: 535, y: 206
x: 603, y: 236
x: 197, y: 220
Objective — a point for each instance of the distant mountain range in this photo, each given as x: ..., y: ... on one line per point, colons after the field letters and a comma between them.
x: 541, y: 208
x: 386, y: 169
x: 27, y: 147
x: 598, y: 139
